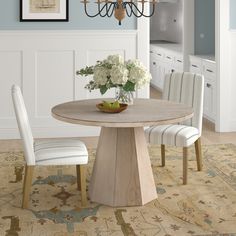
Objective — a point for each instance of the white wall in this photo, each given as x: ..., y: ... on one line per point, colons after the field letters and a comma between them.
x: 233, y: 80
x: 44, y: 63
x: 226, y: 58
x: 167, y: 22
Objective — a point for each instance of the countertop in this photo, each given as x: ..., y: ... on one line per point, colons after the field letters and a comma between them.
x: 166, y: 45
x: 210, y: 58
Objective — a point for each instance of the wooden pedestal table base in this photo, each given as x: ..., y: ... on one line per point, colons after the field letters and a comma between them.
x: 122, y: 173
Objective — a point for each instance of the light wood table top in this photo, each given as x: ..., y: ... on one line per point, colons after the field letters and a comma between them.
x: 144, y: 112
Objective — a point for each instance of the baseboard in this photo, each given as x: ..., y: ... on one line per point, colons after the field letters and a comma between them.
x: 208, y: 118
x: 209, y: 123
x: 233, y: 126
x: 156, y: 87
x: 52, y: 132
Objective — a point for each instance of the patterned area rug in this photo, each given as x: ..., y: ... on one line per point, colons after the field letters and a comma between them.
x: 206, y: 206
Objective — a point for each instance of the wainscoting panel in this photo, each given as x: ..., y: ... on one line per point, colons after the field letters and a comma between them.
x: 54, y: 82
x: 10, y: 73
x: 44, y: 64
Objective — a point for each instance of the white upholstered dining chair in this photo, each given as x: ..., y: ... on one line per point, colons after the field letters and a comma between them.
x: 185, y: 88
x: 47, y: 152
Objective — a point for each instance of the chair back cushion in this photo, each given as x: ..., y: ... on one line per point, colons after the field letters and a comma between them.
x: 23, y: 125
x: 186, y: 88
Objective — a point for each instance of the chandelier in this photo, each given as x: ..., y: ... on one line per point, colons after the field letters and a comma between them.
x: 120, y: 8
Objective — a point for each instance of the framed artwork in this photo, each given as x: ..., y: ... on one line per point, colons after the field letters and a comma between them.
x: 44, y: 10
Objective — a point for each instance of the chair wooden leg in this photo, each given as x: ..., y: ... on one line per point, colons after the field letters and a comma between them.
x: 78, y: 177
x: 29, y: 170
x: 82, y: 180
x: 163, y: 156
x: 198, y: 150
x: 185, y: 165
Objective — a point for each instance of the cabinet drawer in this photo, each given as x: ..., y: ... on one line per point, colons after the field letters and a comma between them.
x: 169, y: 58
x: 179, y: 62
x: 154, y: 59
x: 209, y: 69
x: 159, y: 55
x: 196, y: 65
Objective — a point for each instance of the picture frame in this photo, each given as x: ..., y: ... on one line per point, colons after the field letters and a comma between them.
x: 44, y: 10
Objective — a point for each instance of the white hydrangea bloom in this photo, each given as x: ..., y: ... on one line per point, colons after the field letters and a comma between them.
x: 133, y: 63
x: 100, y: 75
x: 139, y: 75
x: 117, y: 71
x: 115, y: 59
x: 119, y: 74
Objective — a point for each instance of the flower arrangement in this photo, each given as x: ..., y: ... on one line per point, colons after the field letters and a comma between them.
x: 114, y: 72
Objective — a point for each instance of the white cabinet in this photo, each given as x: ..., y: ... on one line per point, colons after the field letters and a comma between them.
x: 208, y: 69
x: 209, y: 72
x: 163, y: 61
x: 209, y: 99
x: 156, y: 70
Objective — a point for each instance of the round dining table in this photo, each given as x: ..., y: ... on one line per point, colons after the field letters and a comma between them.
x: 122, y: 173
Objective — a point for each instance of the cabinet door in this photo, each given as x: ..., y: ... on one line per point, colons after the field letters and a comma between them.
x: 167, y: 69
x: 156, y: 71
x: 209, y: 99
x: 153, y: 69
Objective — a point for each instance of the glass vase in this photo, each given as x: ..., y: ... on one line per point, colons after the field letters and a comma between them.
x: 123, y: 96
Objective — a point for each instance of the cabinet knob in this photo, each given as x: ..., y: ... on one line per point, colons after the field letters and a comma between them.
x: 154, y: 63
x: 208, y: 85
x: 172, y: 71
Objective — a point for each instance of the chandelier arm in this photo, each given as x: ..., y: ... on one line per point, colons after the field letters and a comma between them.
x: 109, y: 7
x: 133, y: 11
x: 99, y: 12
x: 112, y: 10
x: 111, y: 4
x: 129, y: 14
x: 142, y: 12
x: 153, y: 10
x: 139, y: 13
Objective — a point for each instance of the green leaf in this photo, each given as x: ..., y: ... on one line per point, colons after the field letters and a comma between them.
x: 103, y: 89
x: 129, y: 86
x: 88, y: 70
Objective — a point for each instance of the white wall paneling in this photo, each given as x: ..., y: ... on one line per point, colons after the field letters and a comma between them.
x: 8, y: 76
x: 44, y: 64
x: 225, y: 55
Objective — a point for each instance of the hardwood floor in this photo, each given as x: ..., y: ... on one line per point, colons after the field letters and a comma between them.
x: 209, y: 136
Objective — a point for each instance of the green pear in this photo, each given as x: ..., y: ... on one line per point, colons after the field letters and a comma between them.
x: 115, y: 105
x: 106, y: 104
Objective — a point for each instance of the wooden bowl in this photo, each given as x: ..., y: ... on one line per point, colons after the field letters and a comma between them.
x: 107, y: 110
